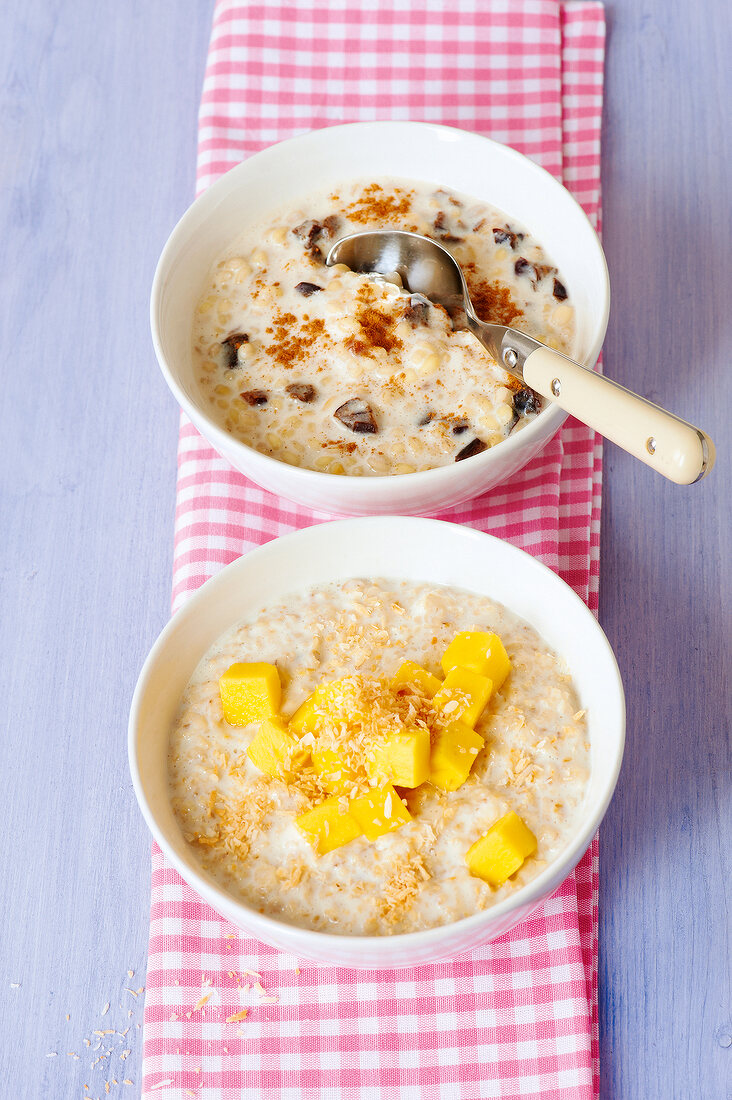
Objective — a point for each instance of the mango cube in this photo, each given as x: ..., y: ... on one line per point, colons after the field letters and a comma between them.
x: 250, y: 693
x: 463, y: 695
x: 333, y: 769
x: 411, y: 673
x: 379, y: 812
x: 453, y: 754
x: 329, y: 826
x: 481, y: 652
x: 500, y: 853
x: 275, y: 751
x: 332, y: 700
x: 404, y: 759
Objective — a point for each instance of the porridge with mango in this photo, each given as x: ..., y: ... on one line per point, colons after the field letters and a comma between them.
x: 378, y: 757
x: 348, y: 373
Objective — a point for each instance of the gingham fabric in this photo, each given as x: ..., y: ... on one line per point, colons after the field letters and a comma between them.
x: 518, y: 1017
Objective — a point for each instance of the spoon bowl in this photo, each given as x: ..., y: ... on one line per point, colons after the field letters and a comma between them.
x: 674, y: 448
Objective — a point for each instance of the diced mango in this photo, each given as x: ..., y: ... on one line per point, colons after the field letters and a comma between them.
x: 380, y: 811
x: 275, y: 751
x: 463, y: 695
x: 481, y: 652
x: 331, y: 700
x: 250, y: 693
x: 329, y: 826
x: 500, y: 853
x: 403, y: 759
x: 453, y: 754
x: 333, y: 769
x: 411, y: 673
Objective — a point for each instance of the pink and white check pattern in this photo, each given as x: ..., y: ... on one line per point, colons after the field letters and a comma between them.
x: 517, y: 1018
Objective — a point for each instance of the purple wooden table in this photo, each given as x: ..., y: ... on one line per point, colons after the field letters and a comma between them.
x: 98, y: 121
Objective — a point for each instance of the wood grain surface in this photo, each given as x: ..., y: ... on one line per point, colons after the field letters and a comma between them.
x: 98, y: 110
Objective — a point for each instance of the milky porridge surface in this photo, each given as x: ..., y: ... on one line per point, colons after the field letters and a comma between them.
x: 348, y: 373
x: 240, y: 823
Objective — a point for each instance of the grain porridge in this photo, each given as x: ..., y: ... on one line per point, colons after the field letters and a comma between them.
x: 348, y: 373
x: 359, y: 668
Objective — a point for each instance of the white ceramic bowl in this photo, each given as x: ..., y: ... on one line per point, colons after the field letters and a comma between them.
x: 287, y: 172
x: 395, y: 548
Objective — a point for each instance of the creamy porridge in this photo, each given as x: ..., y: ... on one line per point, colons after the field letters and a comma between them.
x: 518, y: 763
x: 348, y: 373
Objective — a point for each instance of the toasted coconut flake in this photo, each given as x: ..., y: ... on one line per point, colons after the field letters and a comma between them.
x: 237, y: 1016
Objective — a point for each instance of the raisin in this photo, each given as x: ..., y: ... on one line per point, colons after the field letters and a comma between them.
x: 450, y: 238
x: 330, y: 226
x: 542, y: 270
x: 526, y: 402
x: 254, y: 397
x: 439, y: 222
x: 504, y: 235
x: 309, y: 231
x: 306, y: 289
x: 356, y: 415
x: 536, y: 272
x: 301, y: 391
x: 417, y: 312
x: 560, y: 292
x: 460, y: 426
x: 425, y: 420
x: 475, y: 447
x: 231, y: 345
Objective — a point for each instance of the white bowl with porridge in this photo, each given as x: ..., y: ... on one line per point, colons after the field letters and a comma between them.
x: 378, y: 742
x: 342, y: 390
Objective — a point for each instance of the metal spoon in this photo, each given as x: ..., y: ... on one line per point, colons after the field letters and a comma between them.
x: 673, y: 447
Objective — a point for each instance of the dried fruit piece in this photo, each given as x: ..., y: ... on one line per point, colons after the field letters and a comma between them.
x: 560, y: 292
x: 356, y: 415
x: 460, y: 426
x: 231, y: 347
x: 536, y: 272
x: 254, y: 397
x: 425, y: 420
x: 417, y: 312
x: 526, y: 402
x: 504, y: 235
x: 311, y: 232
x: 475, y: 447
x: 306, y: 289
x: 301, y: 391
x: 330, y: 226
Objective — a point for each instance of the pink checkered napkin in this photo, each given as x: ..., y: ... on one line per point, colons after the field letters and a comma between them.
x: 517, y: 1018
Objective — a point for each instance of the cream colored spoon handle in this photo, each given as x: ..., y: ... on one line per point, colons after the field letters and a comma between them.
x: 663, y: 441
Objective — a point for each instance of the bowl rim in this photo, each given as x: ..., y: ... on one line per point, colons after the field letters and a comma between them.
x: 527, y: 897
x: 209, y: 198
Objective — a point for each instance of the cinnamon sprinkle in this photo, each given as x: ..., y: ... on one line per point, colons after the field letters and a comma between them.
x: 374, y: 205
